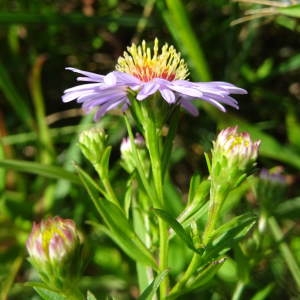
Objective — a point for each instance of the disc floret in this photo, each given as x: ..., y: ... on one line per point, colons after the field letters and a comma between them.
x: 146, y: 64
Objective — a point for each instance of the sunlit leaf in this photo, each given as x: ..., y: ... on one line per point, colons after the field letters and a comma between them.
x: 150, y: 291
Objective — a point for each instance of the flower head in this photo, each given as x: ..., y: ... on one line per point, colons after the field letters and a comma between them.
x: 52, y: 246
x: 146, y: 72
x: 236, y: 146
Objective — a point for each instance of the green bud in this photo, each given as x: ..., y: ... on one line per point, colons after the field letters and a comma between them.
x: 93, y: 143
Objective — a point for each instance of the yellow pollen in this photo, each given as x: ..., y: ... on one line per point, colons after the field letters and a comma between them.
x: 146, y: 65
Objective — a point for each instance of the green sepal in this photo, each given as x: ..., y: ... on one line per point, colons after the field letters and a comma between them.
x: 150, y: 291
x: 120, y: 230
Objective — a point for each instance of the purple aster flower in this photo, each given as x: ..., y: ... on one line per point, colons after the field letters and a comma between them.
x: 146, y: 72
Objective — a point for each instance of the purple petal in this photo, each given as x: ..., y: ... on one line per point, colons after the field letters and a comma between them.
x: 189, y: 107
x: 126, y: 79
x: 168, y: 95
x: 147, y: 89
x: 93, y: 76
x: 106, y: 107
x: 83, y: 87
x: 187, y: 88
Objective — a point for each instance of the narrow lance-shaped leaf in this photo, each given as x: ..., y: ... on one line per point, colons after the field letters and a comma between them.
x: 227, y: 235
x: 291, y: 11
x: 150, y: 291
x: 176, y: 226
x: 119, y: 227
x: 39, y: 169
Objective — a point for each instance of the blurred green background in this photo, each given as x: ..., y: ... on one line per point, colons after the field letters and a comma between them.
x: 38, y: 132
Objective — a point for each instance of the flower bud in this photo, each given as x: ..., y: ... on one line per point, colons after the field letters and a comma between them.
x: 234, y: 154
x: 92, y: 143
x: 53, y: 246
x: 271, y: 187
x: 128, y: 161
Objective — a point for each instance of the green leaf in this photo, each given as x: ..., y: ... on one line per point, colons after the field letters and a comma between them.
x: 206, y: 275
x: 176, y: 226
x: 198, y: 203
x: 264, y: 293
x: 90, y: 296
x: 264, y: 69
x: 200, y: 279
x: 293, y: 127
x: 228, y: 234
x: 291, y: 10
x: 47, y: 294
x: 15, y: 99
x: 289, y: 65
x: 105, y: 160
x: 39, y: 169
x: 177, y: 20
x: 120, y: 229
x: 194, y: 184
x: 150, y: 291
x: 289, y: 209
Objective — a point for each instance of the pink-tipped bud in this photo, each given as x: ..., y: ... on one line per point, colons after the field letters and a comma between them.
x: 234, y: 155
x: 54, y: 250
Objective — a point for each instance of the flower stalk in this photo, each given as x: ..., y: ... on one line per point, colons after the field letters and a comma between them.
x: 233, y: 158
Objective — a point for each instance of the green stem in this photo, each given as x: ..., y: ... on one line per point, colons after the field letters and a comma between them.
x: 285, y: 250
x: 109, y: 190
x: 217, y: 198
x: 187, y: 274
x: 153, y: 141
x: 238, y: 290
x: 139, y: 164
x: 141, y: 225
x: 163, y: 256
x: 47, y: 150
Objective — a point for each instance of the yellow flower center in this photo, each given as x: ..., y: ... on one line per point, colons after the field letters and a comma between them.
x: 146, y: 65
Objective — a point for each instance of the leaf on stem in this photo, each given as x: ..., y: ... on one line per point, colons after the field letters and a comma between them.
x: 227, y: 235
x: 177, y: 227
x: 39, y: 169
x: 120, y: 230
x: 150, y: 291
